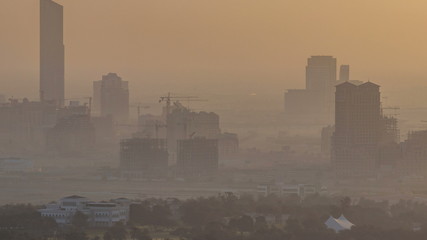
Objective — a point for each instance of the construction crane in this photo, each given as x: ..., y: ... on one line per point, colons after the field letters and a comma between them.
x: 169, y: 98
x: 138, y: 107
x: 157, y: 125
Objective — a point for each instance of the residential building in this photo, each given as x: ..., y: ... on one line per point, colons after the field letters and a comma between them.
x: 23, y: 125
x: 111, y: 97
x: 355, y: 144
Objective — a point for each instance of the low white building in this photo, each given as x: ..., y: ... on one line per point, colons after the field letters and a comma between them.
x: 100, y: 214
x: 301, y: 190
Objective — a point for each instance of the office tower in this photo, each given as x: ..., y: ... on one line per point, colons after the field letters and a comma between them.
x: 321, y: 74
x: 111, y: 97
x: 51, y: 52
x: 143, y: 158
x: 197, y: 157
x: 358, y: 130
x: 344, y: 73
x: 316, y: 100
x: 321, y: 77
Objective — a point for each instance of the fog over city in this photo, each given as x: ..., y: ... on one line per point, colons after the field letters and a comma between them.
x: 196, y: 120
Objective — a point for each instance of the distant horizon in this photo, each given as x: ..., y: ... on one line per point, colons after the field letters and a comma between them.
x: 197, y: 46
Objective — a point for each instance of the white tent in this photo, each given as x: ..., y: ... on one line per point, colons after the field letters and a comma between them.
x: 338, y: 224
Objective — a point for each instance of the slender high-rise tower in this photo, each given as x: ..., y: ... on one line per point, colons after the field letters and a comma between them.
x: 344, y: 73
x: 51, y: 52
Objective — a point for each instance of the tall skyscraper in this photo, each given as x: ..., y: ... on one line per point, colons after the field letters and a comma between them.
x: 51, y: 52
x: 111, y: 97
x: 344, y: 73
x: 358, y: 129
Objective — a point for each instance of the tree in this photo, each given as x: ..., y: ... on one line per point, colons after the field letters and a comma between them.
x: 137, y: 234
x: 260, y: 223
x: 117, y: 232
x: 243, y: 223
x: 160, y: 215
x: 107, y: 236
x: 293, y: 225
x: 75, y: 234
x: 345, y: 204
x: 79, y: 220
x: 21, y: 221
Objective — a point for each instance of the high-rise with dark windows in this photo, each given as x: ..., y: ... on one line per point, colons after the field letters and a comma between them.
x: 358, y: 130
x: 51, y: 52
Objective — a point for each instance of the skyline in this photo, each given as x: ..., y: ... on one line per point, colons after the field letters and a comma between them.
x: 221, y: 120
x: 258, y: 44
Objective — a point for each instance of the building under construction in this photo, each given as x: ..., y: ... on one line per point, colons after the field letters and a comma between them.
x: 143, y: 158
x: 414, y: 161
x: 182, y: 123
x: 390, y: 130
x: 197, y: 157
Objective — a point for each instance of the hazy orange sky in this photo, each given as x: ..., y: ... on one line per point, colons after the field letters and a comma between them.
x: 203, y: 45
